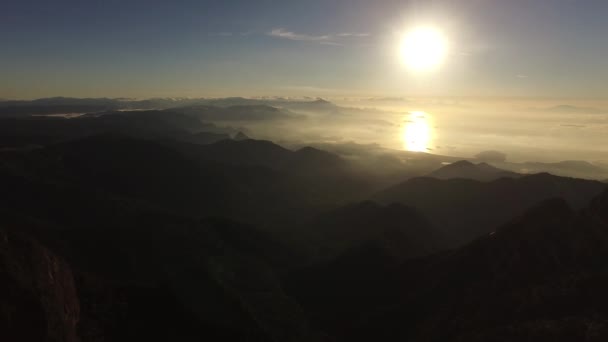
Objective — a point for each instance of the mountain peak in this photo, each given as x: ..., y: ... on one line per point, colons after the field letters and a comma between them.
x: 557, y: 208
x: 240, y: 136
x: 468, y: 170
x: 460, y: 163
x: 321, y: 101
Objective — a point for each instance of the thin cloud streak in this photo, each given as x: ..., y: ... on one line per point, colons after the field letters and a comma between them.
x: 331, y: 43
x: 285, y: 34
x: 327, y: 39
x: 354, y: 34
x: 339, y: 39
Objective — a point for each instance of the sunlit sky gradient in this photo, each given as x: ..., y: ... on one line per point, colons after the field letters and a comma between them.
x: 132, y: 48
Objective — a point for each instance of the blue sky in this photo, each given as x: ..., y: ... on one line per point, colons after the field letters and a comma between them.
x: 299, y: 48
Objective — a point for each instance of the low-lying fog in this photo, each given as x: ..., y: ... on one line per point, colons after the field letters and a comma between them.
x: 525, y: 130
x: 520, y: 134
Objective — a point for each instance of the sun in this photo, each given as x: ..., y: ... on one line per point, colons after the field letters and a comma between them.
x: 424, y: 49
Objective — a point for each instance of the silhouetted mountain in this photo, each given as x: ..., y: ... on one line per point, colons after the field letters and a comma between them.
x: 574, y: 109
x: 264, y: 153
x: 465, y: 169
x: 141, y: 272
x: 334, y: 294
x: 237, y: 113
x: 318, y: 106
x: 539, y: 277
x: 568, y: 168
x: 56, y: 105
x: 24, y: 111
x: 65, y: 101
x: 253, y: 181
x: 151, y: 276
x: 154, y: 225
x: 232, y: 101
x: 311, y: 159
x: 206, y: 138
x: 401, y: 232
x: 306, y: 181
x: 465, y: 209
x: 141, y: 124
x: 151, y: 172
x: 305, y: 105
x: 38, y: 298
x: 242, y: 152
x: 355, y: 250
x: 105, y: 104
x: 240, y: 136
x: 171, y: 118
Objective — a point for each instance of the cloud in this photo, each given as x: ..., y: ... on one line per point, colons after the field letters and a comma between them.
x: 521, y: 76
x: 574, y: 109
x: 573, y: 125
x: 353, y: 34
x: 388, y: 99
x: 331, y: 43
x: 327, y: 39
x: 309, y: 88
x: 284, y: 34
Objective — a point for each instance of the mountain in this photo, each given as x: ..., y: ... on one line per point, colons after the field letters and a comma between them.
x: 56, y: 105
x: 125, y: 216
x: 482, y: 172
x: 465, y: 209
x: 258, y: 112
x: 231, y: 101
x: 148, y: 275
x: 317, y: 106
x: 153, y: 225
x: 123, y: 167
x: 252, y: 181
x: 241, y: 152
x: 38, y: 298
x: 265, y: 153
x: 140, y: 124
x: 306, y: 182
x: 354, y: 248
x: 313, y: 173
x: 574, y: 109
x: 240, y: 136
x: 400, y: 231
x: 567, y: 168
x: 204, y: 138
x: 65, y: 105
x: 539, y: 277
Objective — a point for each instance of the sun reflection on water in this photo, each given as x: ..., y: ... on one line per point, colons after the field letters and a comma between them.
x: 417, y: 132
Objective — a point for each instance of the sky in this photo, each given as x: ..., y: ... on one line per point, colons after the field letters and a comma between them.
x: 329, y: 48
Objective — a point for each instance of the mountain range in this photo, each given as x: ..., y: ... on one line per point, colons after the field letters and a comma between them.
x: 465, y: 169
x: 467, y: 208
x: 159, y: 225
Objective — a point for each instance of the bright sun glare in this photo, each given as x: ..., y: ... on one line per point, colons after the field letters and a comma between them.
x: 417, y: 132
x: 423, y: 48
